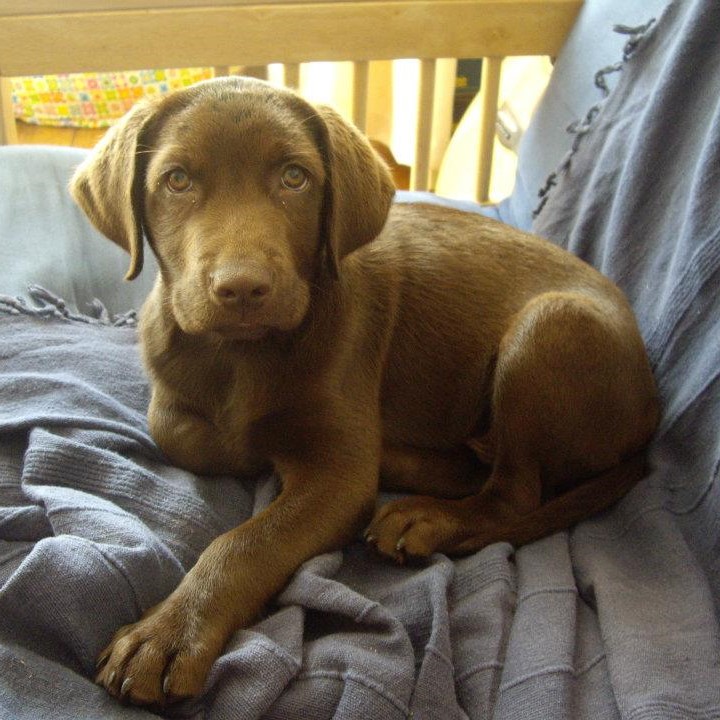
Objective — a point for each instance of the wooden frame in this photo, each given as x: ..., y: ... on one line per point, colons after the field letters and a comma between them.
x: 54, y: 36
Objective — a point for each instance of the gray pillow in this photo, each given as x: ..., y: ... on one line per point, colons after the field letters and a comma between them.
x: 46, y: 240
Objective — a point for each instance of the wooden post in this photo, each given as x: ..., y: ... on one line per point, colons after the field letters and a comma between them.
x: 8, y: 131
x: 420, y: 174
x: 489, y: 92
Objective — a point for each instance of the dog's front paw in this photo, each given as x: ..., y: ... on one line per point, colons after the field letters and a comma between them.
x: 416, y: 527
x: 163, y: 657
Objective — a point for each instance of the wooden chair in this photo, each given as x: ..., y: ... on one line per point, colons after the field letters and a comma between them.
x: 55, y: 36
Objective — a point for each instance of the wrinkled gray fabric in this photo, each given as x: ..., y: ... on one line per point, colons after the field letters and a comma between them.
x: 640, y: 200
x: 617, y: 618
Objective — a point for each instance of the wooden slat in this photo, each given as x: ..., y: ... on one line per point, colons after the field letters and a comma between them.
x: 420, y: 173
x: 265, y: 32
x: 292, y: 75
x: 361, y: 80
x: 489, y: 92
x: 40, y: 135
x: 44, y: 7
x: 43, y: 135
x: 46, y: 134
x: 8, y: 131
x: 87, y: 138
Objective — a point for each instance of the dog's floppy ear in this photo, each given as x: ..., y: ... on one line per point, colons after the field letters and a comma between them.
x: 359, y: 189
x: 108, y: 185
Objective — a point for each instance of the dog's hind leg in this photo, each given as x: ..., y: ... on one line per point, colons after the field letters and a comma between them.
x: 572, y: 398
x: 416, y: 527
x: 450, y: 473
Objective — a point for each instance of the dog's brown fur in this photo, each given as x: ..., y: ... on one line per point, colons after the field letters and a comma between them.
x: 279, y: 335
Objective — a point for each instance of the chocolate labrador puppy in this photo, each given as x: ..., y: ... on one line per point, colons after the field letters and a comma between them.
x: 300, y: 322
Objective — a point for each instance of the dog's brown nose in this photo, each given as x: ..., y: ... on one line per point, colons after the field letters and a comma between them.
x: 249, y: 285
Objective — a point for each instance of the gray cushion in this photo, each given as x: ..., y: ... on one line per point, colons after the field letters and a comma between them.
x: 46, y: 240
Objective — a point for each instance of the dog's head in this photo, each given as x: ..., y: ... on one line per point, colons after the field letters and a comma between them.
x: 246, y: 194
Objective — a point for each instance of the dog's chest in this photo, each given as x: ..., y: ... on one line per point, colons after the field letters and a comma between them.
x: 246, y: 399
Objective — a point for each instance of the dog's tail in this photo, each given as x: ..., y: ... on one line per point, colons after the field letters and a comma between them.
x: 592, y: 496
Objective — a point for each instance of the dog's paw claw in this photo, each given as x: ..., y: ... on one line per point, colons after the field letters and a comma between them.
x: 400, y: 554
x: 369, y: 538
x: 125, y: 687
x: 102, y: 659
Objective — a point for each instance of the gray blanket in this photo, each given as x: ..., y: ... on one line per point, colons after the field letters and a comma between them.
x: 616, y: 618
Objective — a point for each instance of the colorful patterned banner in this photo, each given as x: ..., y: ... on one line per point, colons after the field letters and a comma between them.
x: 93, y: 100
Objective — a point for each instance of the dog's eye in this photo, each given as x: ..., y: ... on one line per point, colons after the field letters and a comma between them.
x: 178, y: 180
x: 294, y: 178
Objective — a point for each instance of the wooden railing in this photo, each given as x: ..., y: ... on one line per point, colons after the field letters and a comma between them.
x: 56, y: 36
